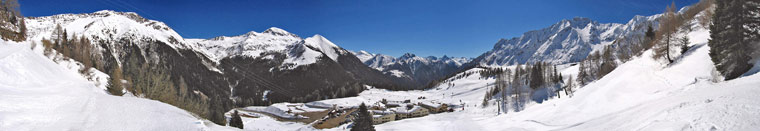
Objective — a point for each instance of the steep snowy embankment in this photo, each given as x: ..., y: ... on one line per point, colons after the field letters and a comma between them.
x: 38, y: 94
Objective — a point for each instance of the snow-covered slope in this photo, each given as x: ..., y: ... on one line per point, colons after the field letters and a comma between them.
x: 38, y: 94
x: 566, y: 41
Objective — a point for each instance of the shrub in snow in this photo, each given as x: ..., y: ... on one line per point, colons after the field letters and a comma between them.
x: 236, y: 121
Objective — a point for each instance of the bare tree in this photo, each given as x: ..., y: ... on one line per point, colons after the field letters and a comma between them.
x: 668, y: 26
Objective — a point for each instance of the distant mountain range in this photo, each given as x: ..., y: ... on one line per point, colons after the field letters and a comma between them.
x: 421, y: 70
x: 569, y: 40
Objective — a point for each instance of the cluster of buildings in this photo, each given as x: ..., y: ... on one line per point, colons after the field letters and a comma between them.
x: 383, y: 112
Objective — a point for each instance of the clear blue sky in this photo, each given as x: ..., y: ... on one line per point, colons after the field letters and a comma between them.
x: 424, y: 27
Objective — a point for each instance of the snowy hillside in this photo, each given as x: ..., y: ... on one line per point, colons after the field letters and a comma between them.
x: 38, y: 94
x: 566, y: 41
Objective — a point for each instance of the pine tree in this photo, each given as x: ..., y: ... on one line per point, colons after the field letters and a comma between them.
x: 650, y: 32
x: 65, y: 47
x: 236, y: 121
x: 518, y: 81
x: 684, y: 44
x: 730, y: 41
x: 536, y: 76
x: 363, y: 121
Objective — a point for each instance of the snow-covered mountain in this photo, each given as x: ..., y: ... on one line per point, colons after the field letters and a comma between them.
x: 298, y: 51
x: 569, y: 40
x: 422, y: 70
x: 149, y: 53
x: 106, y: 25
x: 249, y: 69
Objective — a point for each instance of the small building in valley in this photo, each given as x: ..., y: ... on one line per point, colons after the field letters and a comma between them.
x: 380, y: 117
x: 434, y: 107
x: 409, y: 112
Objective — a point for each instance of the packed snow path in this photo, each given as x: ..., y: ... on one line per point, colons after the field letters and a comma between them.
x: 38, y: 94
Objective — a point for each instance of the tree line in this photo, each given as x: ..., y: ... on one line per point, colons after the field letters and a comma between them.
x: 664, y: 42
x: 513, y: 88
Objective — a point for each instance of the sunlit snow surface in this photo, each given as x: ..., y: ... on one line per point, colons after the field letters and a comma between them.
x: 38, y: 94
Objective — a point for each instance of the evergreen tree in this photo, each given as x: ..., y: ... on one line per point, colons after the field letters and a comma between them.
x: 731, y: 40
x: 650, y: 32
x: 684, y: 44
x: 537, y: 76
x: 363, y: 121
x: 236, y: 121
x: 518, y: 81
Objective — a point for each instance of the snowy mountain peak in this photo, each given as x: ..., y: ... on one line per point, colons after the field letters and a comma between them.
x: 105, y: 12
x: 363, y: 55
x: 322, y: 44
x: 407, y: 56
x: 107, y: 25
x: 580, y: 20
x: 278, y: 31
x: 569, y: 40
x: 576, y: 22
x: 364, y: 52
x: 298, y: 51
